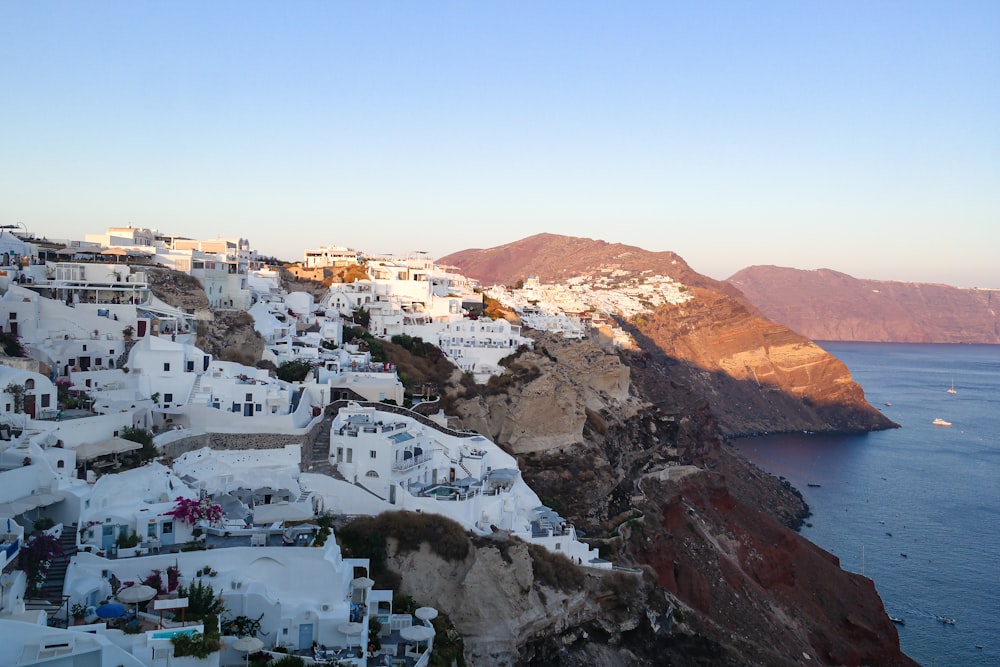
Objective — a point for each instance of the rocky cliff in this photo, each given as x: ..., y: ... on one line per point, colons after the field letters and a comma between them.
x: 756, y: 376
x: 717, y: 578
x: 828, y: 305
x: 629, y: 446
x: 226, y: 335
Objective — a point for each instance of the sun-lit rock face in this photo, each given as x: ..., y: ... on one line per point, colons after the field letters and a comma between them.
x: 757, y: 376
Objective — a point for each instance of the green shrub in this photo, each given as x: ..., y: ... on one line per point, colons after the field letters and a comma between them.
x: 555, y: 570
x: 195, y: 644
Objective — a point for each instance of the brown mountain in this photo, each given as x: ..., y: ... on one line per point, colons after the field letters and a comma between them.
x: 757, y: 376
x: 553, y: 258
x: 828, y: 305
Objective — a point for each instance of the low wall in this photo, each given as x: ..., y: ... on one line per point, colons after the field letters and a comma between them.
x: 241, y: 441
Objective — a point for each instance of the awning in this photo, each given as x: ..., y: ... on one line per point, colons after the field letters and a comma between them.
x: 28, y: 503
x: 91, y: 450
x: 282, y: 512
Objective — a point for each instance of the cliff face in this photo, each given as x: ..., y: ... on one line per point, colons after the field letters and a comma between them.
x: 719, y: 579
x: 827, y: 305
x: 628, y: 446
x: 757, y: 376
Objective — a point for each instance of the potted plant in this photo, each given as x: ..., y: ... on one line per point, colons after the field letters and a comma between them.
x: 78, y: 612
x: 128, y: 331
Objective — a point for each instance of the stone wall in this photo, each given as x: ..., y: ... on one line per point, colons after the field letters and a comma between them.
x: 242, y: 441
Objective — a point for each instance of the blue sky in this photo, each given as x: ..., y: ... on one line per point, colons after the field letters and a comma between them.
x: 859, y: 136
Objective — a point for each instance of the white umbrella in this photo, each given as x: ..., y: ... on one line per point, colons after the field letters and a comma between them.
x: 362, y: 582
x: 248, y: 645
x: 426, y: 613
x: 136, y: 594
x: 417, y: 633
x: 350, y: 629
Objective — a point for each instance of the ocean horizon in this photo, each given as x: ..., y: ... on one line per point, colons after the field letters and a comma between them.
x: 916, y: 509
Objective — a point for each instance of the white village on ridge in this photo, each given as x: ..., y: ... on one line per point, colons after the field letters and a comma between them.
x: 181, y: 508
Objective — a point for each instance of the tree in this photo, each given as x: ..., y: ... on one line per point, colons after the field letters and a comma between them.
x: 294, y: 371
x: 202, y: 601
x: 242, y: 626
x: 143, y: 437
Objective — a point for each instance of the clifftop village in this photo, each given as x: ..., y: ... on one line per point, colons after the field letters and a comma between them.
x: 156, y: 502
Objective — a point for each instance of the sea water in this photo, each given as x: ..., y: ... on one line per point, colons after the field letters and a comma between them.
x: 916, y: 509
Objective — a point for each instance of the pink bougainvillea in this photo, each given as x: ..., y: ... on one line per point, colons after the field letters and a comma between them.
x: 191, y: 511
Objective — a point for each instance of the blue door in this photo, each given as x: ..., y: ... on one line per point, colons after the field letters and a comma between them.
x: 167, y: 533
x: 107, y: 536
x: 305, y: 635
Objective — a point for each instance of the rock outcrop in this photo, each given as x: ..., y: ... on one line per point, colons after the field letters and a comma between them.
x: 828, y: 305
x: 226, y: 335
x: 757, y: 376
x: 639, y: 463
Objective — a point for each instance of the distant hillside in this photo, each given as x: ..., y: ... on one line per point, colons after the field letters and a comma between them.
x: 553, y: 258
x: 756, y: 376
x: 828, y: 305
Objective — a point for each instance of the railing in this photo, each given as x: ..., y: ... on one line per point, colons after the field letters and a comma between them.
x: 406, y: 464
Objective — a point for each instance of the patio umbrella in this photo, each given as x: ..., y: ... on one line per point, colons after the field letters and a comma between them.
x: 248, y: 645
x: 136, y: 594
x: 362, y: 582
x: 350, y: 629
x: 426, y: 613
x: 111, y: 610
x: 417, y: 634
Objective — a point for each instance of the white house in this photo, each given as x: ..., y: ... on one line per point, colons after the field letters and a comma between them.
x: 417, y: 465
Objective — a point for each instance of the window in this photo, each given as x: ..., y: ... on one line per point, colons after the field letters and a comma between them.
x: 373, y: 453
x: 29, y: 384
x: 60, y: 463
x: 258, y: 407
x: 84, y: 347
x: 168, y: 398
x: 46, y: 400
x: 168, y: 527
x: 166, y: 365
x: 249, y: 398
x: 371, y: 473
x: 12, y: 316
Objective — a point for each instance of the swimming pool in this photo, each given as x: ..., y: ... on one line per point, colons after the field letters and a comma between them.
x: 167, y: 634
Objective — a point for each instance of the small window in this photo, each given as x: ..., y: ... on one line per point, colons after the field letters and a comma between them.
x: 249, y: 398
x: 46, y: 400
x: 168, y: 398
x: 371, y: 473
x: 168, y: 527
x: 373, y: 453
x: 258, y: 407
x: 60, y: 463
x: 84, y: 347
x: 166, y: 365
x: 29, y: 384
x: 12, y: 316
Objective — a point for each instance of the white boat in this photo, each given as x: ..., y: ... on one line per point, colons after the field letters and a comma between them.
x: 952, y: 390
x: 946, y: 620
x: 940, y: 422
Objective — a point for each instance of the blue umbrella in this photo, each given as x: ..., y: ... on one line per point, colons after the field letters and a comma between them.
x: 111, y: 610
